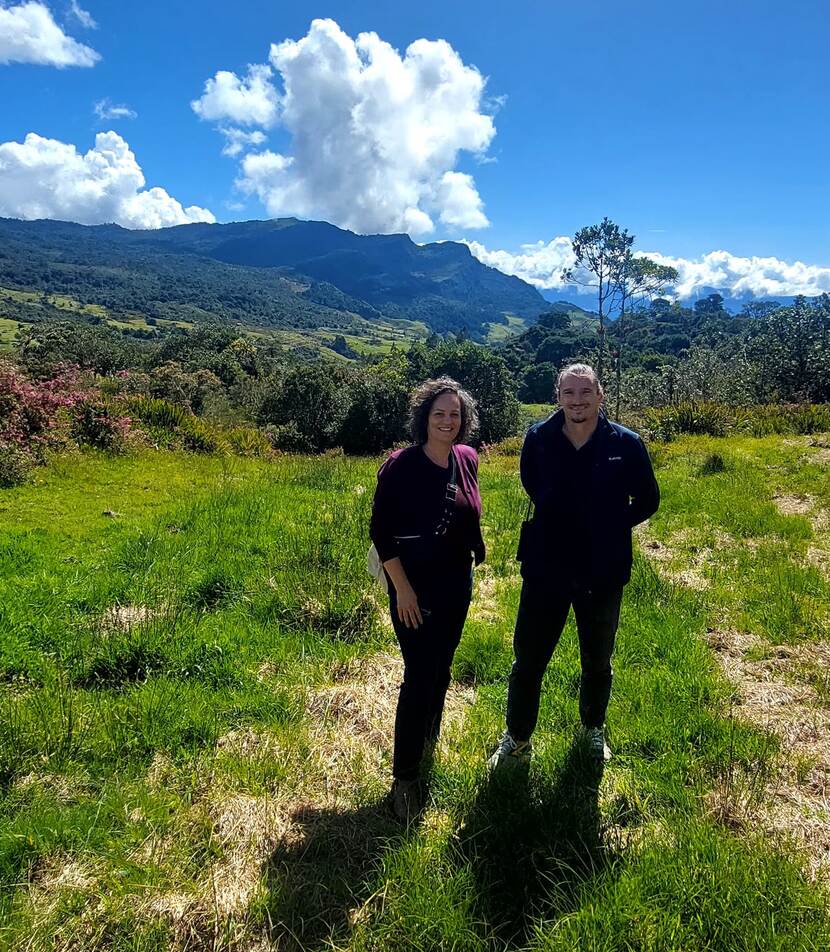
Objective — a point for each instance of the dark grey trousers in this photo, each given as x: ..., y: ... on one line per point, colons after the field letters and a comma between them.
x: 543, y: 611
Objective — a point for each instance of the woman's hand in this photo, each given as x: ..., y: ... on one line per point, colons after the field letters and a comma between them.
x: 409, y: 611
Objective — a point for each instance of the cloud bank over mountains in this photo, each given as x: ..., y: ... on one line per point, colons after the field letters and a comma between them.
x: 541, y: 264
x: 375, y: 135
x: 45, y: 178
x: 29, y: 34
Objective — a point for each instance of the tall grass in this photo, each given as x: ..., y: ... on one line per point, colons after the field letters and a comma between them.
x: 716, y: 419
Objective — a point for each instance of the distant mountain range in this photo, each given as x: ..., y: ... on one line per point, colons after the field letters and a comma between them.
x: 279, y: 273
x: 734, y: 303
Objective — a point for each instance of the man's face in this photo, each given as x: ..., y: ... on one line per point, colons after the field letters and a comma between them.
x: 579, y: 399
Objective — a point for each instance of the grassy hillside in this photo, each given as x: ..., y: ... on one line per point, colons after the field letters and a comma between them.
x: 197, y: 686
x: 19, y: 308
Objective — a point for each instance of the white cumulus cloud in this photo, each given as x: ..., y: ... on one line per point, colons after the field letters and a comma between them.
x: 236, y: 140
x: 375, y: 135
x: 45, y: 178
x: 541, y: 264
x: 761, y: 277
x: 105, y: 109
x: 29, y: 34
x: 252, y: 101
x: 82, y: 16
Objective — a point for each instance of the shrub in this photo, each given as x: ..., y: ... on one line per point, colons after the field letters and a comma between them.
x: 711, y: 419
x: 94, y: 424
x: 377, y: 417
x: 15, y: 464
x: 714, y: 419
x: 199, y: 437
x: 30, y: 410
x: 160, y: 413
x: 288, y: 437
x: 807, y: 417
x: 311, y: 405
x: 482, y: 372
x: 776, y: 418
x: 247, y: 441
x: 713, y: 463
x: 512, y: 446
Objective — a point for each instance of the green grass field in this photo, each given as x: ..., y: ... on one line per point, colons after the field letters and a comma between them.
x: 197, y: 686
x: 8, y: 332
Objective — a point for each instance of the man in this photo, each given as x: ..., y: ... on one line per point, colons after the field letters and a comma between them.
x: 590, y: 482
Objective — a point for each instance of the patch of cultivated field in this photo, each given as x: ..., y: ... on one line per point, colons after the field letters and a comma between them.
x: 8, y: 332
x: 197, y: 686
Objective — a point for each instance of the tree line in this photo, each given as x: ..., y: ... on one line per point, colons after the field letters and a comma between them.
x: 303, y: 403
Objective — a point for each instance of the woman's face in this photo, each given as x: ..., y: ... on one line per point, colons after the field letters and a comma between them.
x: 444, y: 421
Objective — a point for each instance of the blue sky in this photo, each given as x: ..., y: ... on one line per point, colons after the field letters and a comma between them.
x: 700, y: 126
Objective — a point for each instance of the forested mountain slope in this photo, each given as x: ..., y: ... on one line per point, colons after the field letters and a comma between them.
x: 282, y: 273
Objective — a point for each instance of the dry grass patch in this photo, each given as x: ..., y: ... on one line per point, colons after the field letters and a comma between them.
x: 63, y: 789
x: 770, y: 693
x: 681, y: 560
x: 125, y: 617
x: 50, y: 882
x: 362, y: 701
x: 270, y: 846
x: 245, y: 830
x: 485, y: 604
x: 794, y: 504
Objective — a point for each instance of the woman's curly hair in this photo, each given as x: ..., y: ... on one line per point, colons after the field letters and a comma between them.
x: 421, y: 403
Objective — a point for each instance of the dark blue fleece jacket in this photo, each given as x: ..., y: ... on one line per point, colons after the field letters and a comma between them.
x: 620, y: 491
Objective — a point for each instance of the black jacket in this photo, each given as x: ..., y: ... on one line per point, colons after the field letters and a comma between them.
x: 621, y: 492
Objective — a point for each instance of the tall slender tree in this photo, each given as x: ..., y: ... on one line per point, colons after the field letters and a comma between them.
x: 600, y: 255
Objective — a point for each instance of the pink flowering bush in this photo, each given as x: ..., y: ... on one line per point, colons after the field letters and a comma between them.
x: 30, y: 410
x: 37, y: 415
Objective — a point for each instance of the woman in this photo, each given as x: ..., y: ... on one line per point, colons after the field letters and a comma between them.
x: 426, y: 528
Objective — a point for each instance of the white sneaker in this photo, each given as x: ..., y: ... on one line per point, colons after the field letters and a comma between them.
x: 598, y: 747
x: 510, y: 751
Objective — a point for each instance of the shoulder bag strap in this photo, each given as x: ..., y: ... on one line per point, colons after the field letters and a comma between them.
x: 449, y: 498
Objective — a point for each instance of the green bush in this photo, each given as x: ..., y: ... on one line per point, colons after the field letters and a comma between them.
x: 157, y: 412
x: 247, y: 441
x: 15, y: 465
x: 311, y: 406
x: 776, y: 418
x: 95, y: 424
x: 716, y: 419
x: 713, y: 463
x: 512, y: 446
x: 197, y: 436
x: 710, y: 419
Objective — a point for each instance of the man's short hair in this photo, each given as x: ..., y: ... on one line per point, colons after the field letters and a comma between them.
x: 579, y: 370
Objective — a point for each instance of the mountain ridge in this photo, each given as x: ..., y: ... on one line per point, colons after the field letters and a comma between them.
x: 277, y: 272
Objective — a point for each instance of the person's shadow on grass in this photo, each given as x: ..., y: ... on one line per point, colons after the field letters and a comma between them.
x: 532, y: 841
x: 322, y: 872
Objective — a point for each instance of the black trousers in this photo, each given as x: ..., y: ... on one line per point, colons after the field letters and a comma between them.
x: 427, y: 654
x: 543, y: 611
